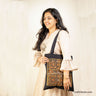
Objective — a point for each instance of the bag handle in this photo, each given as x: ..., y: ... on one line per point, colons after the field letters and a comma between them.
x: 54, y: 43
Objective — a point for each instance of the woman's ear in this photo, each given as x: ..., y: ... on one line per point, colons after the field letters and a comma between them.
x: 56, y: 21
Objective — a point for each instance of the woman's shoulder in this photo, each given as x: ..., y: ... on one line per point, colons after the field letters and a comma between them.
x: 63, y: 34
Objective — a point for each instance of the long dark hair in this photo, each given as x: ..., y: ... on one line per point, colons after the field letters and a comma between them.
x: 43, y: 31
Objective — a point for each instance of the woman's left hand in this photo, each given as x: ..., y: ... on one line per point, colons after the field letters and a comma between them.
x: 66, y: 83
x: 66, y: 80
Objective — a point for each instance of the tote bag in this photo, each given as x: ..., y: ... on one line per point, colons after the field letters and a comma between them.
x: 54, y: 77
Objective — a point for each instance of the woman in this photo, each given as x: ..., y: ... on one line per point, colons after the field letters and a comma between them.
x: 52, y: 23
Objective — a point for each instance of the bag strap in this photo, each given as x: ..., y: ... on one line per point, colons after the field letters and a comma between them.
x: 54, y: 43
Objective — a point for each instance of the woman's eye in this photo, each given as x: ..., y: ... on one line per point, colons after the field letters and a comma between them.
x: 47, y: 18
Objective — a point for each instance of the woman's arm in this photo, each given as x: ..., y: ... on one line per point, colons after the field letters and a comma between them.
x: 67, y: 62
x: 37, y: 55
x: 66, y: 65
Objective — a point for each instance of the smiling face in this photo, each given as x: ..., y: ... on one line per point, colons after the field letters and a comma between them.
x: 49, y: 20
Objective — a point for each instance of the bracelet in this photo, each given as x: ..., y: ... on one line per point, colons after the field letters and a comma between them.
x: 66, y: 77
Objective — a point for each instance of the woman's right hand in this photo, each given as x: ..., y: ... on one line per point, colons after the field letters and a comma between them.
x: 43, y: 59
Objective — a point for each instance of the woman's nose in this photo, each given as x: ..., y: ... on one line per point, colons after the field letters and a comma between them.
x: 46, y: 20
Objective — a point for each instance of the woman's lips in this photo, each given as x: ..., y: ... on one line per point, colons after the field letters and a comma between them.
x: 46, y: 24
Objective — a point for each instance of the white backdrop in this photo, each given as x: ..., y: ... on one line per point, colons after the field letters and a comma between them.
x: 19, y: 23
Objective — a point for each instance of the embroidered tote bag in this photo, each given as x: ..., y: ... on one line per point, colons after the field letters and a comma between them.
x: 54, y: 77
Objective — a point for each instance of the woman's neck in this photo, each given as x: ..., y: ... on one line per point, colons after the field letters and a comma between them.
x: 52, y: 30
